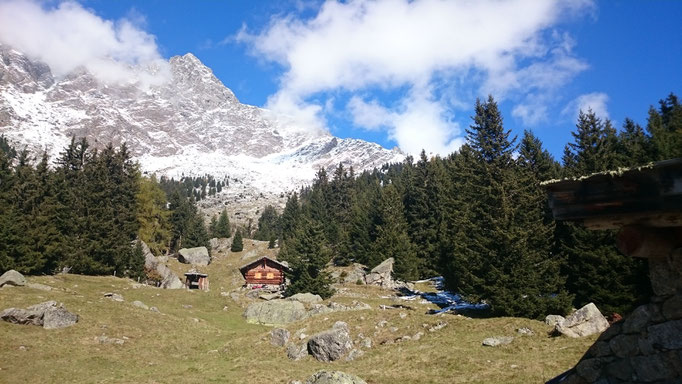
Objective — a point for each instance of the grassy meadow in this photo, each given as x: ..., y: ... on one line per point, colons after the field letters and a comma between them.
x: 210, y: 342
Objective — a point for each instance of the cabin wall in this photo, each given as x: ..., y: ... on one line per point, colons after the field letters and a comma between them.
x: 264, y: 274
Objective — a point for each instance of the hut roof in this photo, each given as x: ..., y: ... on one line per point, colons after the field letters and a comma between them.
x: 245, y: 267
x: 196, y: 274
x: 650, y: 195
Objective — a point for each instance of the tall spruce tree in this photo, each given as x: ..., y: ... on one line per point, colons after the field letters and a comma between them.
x: 392, y: 238
x: 308, y: 254
x: 596, y: 271
x: 237, y: 242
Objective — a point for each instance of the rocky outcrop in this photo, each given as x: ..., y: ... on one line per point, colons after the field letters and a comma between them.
x: 584, y: 322
x: 49, y: 315
x: 334, y: 377
x: 381, y: 274
x: 195, y: 256
x: 319, y: 309
x: 275, y: 312
x: 307, y: 298
x: 152, y: 264
x: 12, y: 277
x: 332, y: 344
x: 553, y: 320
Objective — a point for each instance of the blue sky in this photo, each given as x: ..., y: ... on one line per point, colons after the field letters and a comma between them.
x: 408, y: 73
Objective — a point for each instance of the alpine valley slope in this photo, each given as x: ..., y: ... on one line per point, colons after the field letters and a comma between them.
x: 189, y: 124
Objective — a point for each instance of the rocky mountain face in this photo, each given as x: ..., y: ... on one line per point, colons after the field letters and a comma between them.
x: 191, y: 124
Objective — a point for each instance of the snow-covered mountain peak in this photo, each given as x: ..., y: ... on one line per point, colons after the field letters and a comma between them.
x: 190, y: 124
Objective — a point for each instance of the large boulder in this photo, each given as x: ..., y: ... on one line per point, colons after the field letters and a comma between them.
x: 334, y: 377
x: 194, y: 256
x: 584, y: 322
x: 307, y: 297
x: 49, y: 315
x: 381, y: 274
x: 168, y: 279
x: 332, y: 344
x: 12, y: 277
x: 275, y: 312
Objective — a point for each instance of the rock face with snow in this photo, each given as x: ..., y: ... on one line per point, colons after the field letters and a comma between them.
x: 191, y: 123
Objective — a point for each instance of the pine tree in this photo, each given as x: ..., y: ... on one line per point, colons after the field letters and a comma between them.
x: 596, y: 271
x: 308, y: 255
x: 665, y: 127
x: 222, y: 229
x: 153, y: 217
x: 196, y: 235
x: 268, y: 224
x: 212, y: 225
x: 392, y: 239
x: 237, y: 242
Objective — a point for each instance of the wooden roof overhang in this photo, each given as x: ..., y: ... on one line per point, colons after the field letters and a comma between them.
x: 243, y: 269
x: 648, y: 196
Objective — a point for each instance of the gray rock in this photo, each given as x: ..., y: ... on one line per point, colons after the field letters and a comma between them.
x: 367, y: 342
x: 154, y: 309
x: 354, y: 354
x: 279, y: 337
x: 620, y: 369
x: 39, y: 286
x: 439, y: 326
x: 220, y: 244
x: 12, y: 277
x: 109, y: 340
x: 331, y: 345
x: 140, y: 304
x: 667, y: 334
x: 270, y: 296
x: 114, y: 296
x: 590, y: 369
x: 652, y: 368
x: 417, y: 336
x: 308, y: 298
x: 584, y: 322
x: 624, y: 345
x: 58, y: 317
x: 297, y: 352
x: 334, y: 377
x: 663, y: 279
x: 169, y: 280
x: 553, y: 320
x: 49, y: 315
x: 525, y: 331
x: 194, y: 256
x: 275, y: 312
x: 639, y: 318
x: 381, y: 274
x: 672, y: 308
x: 497, y: 340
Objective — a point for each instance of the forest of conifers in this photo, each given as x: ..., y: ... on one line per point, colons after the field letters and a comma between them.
x: 478, y: 217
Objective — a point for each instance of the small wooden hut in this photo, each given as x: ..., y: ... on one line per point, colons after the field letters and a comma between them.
x: 265, y: 273
x: 196, y: 280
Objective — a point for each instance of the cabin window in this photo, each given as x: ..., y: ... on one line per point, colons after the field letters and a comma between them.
x: 258, y: 275
x: 270, y: 275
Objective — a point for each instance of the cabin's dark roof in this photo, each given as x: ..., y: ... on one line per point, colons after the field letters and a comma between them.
x: 245, y: 267
x: 196, y: 274
x: 651, y: 194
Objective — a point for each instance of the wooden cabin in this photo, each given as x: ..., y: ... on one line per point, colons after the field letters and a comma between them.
x: 265, y: 272
x: 196, y: 280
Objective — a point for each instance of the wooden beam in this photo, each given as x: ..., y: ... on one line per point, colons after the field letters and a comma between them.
x: 647, y: 242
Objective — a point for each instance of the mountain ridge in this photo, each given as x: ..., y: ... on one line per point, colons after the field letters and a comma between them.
x: 191, y: 124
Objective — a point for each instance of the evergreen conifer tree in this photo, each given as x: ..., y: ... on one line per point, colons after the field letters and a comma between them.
x: 237, y: 242
x: 222, y: 229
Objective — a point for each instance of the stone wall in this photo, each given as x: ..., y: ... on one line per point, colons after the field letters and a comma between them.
x: 646, y: 347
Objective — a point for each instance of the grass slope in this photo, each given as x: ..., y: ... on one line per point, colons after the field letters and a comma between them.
x: 206, y: 343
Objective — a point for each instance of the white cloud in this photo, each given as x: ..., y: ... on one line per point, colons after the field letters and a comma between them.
x: 68, y: 36
x: 504, y: 47
x: 595, y: 101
